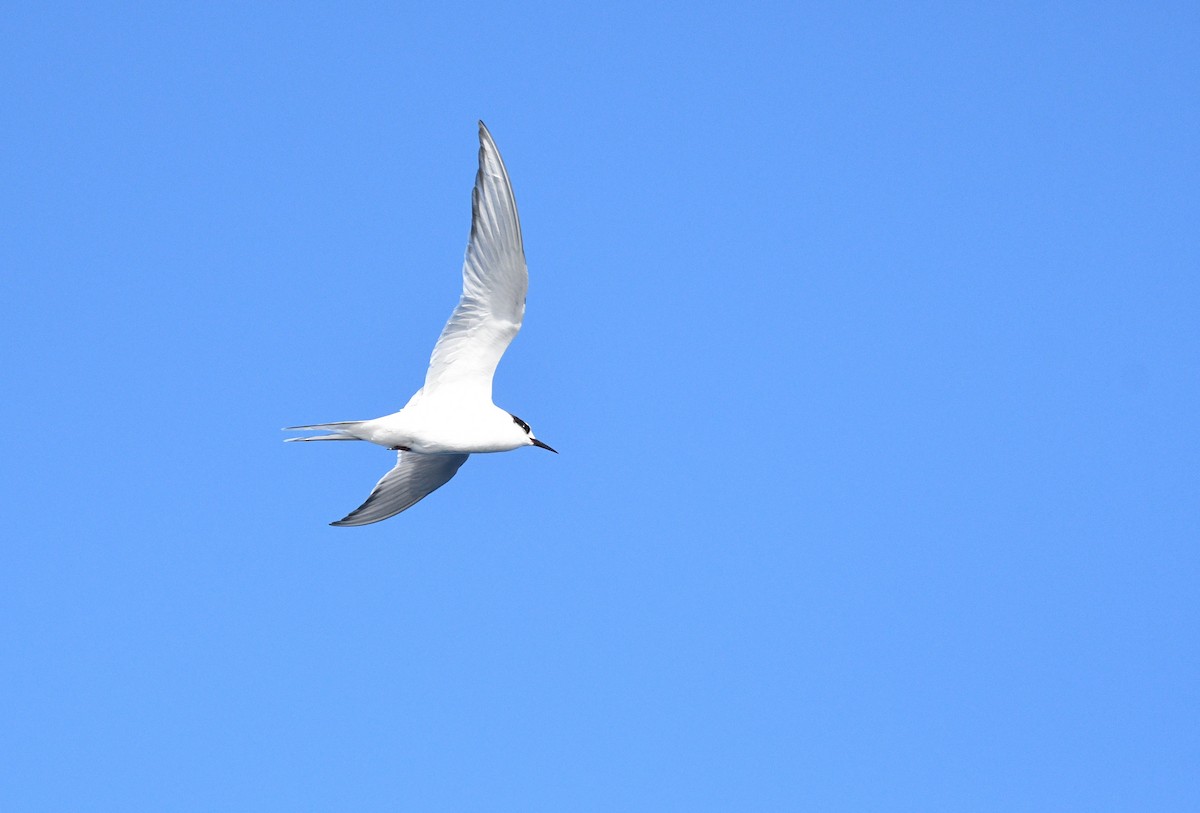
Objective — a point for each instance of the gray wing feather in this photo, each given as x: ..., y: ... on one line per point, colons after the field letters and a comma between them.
x: 495, y: 281
x: 415, y: 477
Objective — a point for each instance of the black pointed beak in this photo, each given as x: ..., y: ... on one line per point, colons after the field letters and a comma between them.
x: 538, y: 443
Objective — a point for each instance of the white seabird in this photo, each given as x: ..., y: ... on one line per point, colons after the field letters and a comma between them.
x: 452, y: 416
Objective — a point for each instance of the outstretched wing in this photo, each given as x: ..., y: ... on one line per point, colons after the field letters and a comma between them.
x: 495, y: 280
x: 415, y: 477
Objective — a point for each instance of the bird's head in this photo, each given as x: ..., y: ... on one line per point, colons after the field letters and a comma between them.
x: 529, y: 438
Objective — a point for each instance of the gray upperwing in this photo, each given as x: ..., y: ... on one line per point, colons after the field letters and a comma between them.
x: 415, y: 477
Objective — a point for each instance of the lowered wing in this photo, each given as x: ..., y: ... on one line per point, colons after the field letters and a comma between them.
x: 415, y: 477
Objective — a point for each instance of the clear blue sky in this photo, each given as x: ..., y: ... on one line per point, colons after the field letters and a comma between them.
x: 869, y: 335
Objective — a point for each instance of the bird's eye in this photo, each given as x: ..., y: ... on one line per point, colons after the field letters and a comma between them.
x: 521, y: 424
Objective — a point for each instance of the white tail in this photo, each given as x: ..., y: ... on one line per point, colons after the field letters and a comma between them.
x: 320, y: 437
x: 342, y: 430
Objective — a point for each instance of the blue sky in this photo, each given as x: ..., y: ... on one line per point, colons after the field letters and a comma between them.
x: 867, y: 332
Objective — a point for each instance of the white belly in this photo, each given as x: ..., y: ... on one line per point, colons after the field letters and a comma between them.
x: 432, y: 431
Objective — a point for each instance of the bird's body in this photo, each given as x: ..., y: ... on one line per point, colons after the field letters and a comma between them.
x: 436, y: 426
x: 452, y: 415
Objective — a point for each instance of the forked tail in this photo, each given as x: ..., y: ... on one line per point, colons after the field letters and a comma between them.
x: 342, y: 430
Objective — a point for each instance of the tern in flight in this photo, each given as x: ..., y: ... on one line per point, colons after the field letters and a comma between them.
x: 452, y: 416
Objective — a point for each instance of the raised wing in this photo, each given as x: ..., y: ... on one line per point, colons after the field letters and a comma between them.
x: 415, y: 477
x: 495, y: 280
